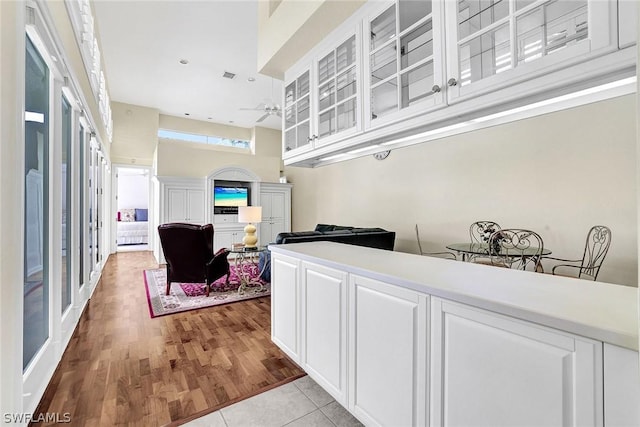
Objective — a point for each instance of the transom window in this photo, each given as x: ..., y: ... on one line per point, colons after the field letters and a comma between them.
x: 203, y: 139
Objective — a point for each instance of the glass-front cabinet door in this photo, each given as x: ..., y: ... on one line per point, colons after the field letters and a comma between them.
x: 338, y: 92
x: 297, y: 115
x: 404, y: 60
x: 495, y: 43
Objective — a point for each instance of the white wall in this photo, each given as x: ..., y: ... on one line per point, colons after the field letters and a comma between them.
x: 133, y: 190
x: 557, y: 174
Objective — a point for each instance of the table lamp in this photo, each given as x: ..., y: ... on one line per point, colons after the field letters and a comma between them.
x: 251, y: 215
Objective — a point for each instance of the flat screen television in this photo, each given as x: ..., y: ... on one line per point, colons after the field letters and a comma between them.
x: 227, y: 199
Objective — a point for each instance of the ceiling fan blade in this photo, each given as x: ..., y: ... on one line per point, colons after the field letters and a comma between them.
x: 262, y: 118
x: 259, y: 107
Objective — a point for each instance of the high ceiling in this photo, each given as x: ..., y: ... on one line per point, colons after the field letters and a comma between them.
x: 144, y: 41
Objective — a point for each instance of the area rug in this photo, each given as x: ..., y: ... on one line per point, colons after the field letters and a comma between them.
x: 191, y: 296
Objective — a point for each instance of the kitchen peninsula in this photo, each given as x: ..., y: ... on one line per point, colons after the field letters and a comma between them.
x: 403, y: 339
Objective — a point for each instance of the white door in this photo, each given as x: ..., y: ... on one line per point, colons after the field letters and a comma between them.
x: 492, y: 370
x: 387, y: 353
x: 176, y: 205
x: 285, y: 291
x: 324, y: 328
x: 195, y: 206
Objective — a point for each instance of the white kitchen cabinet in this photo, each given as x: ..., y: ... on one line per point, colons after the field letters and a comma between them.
x: 275, y: 200
x: 296, y: 120
x: 627, y: 22
x: 404, y: 62
x: 452, y: 354
x: 324, y: 328
x: 388, y: 353
x: 323, y: 95
x: 492, y: 45
x: 338, y: 111
x: 490, y: 369
x: 285, y: 305
x: 621, y: 387
x: 426, y: 65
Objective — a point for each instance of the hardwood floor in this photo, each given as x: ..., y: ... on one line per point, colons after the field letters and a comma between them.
x: 123, y: 368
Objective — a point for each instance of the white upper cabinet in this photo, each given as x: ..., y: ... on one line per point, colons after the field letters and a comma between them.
x: 496, y: 43
x: 323, y: 98
x: 338, y: 109
x: 627, y: 22
x: 397, y: 62
x: 403, y: 61
x: 297, y: 114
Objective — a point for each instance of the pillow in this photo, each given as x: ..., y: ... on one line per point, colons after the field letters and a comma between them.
x: 342, y: 227
x: 324, y: 227
x: 368, y: 230
x: 142, y: 214
x: 127, y: 215
x: 338, y: 232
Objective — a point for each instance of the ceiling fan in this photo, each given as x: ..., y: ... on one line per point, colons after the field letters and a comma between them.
x: 269, y: 108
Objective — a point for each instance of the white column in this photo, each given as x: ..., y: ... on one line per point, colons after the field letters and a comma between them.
x: 12, y: 69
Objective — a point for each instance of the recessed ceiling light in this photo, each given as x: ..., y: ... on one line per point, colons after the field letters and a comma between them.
x: 209, y: 118
x: 184, y: 61
x: 230, y: 121
x: 186, y: 114
x: 251, y: 79
x: 228, y: 75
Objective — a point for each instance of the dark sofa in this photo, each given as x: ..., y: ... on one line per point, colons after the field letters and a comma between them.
x: 370, y: 237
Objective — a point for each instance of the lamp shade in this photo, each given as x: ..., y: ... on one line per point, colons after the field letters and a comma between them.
x: 250, y: 214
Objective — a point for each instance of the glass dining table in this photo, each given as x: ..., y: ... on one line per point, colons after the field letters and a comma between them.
x: 469, y: 250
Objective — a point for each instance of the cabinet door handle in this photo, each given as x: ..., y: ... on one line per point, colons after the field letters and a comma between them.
x: 452, y: 82
x: 435, y: 89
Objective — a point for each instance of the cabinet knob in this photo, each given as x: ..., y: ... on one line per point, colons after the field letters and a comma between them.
x: 452, y: 82
x: 309, y: 139
x: 435, y: 89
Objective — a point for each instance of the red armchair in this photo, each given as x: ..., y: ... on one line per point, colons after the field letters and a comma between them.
x: 188, y: 250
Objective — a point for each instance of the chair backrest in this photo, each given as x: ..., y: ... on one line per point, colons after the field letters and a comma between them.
x: 595, y: 250
x: 418, y: 237
x: 516, y: 248
x: 187, y: 248
x: 480, y: 231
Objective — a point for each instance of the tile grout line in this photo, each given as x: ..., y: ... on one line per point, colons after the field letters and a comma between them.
x: 223, y: 418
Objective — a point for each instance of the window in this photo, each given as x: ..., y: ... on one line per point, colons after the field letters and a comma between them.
x: 203, y: 139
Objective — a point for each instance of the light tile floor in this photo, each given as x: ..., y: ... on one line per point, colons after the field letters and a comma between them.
x: 300, y: 403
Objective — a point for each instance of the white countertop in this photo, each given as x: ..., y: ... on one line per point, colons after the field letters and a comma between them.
x: 597, y: 310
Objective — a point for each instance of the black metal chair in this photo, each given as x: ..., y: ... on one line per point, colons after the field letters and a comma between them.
x: 447, y: 255
x: 595, y: 250
x: 479, y: 233
x: 516, y: 248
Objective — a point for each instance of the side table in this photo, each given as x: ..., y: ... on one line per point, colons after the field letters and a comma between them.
x: 245, y: 260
